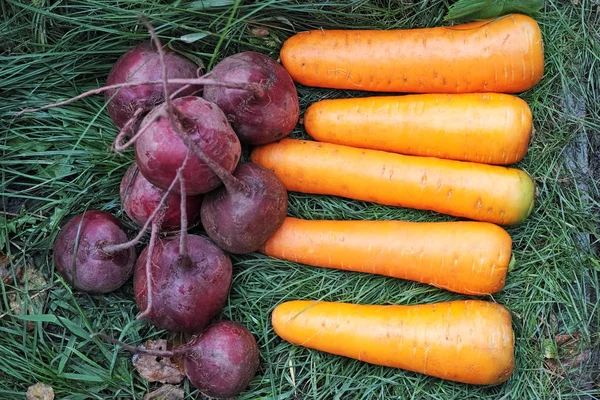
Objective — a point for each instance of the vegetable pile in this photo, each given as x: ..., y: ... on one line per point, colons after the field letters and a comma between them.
x: 446, y: 147
x: 187, y: 173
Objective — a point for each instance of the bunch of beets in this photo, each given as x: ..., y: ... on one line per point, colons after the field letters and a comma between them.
x: 188, y: 130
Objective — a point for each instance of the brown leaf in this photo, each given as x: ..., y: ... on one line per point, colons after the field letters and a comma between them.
x: 552, y: 365
x: 40, y: 391
x: 576, y: 359
x: 157, y: 369
x: 5, y: 272
x: 569, y: 341
x: 36, y: 295
x: 166, y: 392
x: 260, y: 31
x: 569, y: 353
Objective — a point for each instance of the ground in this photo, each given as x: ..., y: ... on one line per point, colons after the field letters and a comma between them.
x: 59, y: 162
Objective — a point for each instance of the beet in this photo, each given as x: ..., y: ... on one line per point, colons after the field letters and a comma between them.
x: 246, y: 211
x: 160, y: 151
x: 240, y: 221
x: 186, y: 291
x: 258, y: 117
x: 139, y: 198
x: 142, y: 63
x: 94, y: 270
x: 222, y: 360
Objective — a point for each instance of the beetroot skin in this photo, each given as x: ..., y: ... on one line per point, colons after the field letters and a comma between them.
x: 240, y: 221
x: 94, y: 270
x: 222, y: 360
x: 139, y: 199
x: 256, y: 118
x: 142, y: 63
x: 184, y: 297
x: 160, y: 152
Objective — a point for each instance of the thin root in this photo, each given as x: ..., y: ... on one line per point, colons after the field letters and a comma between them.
x: 155, y: 229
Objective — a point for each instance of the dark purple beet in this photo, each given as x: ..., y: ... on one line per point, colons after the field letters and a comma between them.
x: 185, y: 296
x: 257, y: 118
x: 93, y: 270
x: 160, y: 152
x: 142, y: 63
x: 241, y: 220
x: 139, y: 198
x: 222, y: 360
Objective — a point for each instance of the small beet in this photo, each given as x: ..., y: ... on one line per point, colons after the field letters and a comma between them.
x: 142, y: 63
x: 222, y: 360
x: 93, y: 269
x: 240, y: 221
x: 258, y: 117
x: 139, y: 198
x: 160, y: 151
x: 186, y: 291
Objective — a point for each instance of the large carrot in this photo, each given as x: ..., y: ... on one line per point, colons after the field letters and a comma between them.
x: 489, y: 128
x: 468, y: 341
x: 465, y: 257
x: 476, y: 191
x: 496, y: 55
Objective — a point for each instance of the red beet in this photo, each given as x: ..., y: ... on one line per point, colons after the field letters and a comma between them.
x: 139, y: 198
x: 240, y: 220
x: 142, y: 63
x: 258, y: 117
x: 222, y: 360
x: 187, y: 292
x: 93, y: 269
x: 160, y: 152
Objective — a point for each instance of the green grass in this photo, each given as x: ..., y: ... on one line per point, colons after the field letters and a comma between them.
x: 57, y: 163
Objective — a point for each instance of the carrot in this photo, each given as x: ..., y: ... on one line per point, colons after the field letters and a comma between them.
x: 480, y: 192
x: 464, y: 257
x: 495, y: 55
x: 489, y: 128
x: 468, y: 341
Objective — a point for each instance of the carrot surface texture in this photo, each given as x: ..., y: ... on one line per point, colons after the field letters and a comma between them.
x: 464, y: 257
x: 490, y: 128
x: 504, y: 55
x: 481, y: 192
x: 468, y: 341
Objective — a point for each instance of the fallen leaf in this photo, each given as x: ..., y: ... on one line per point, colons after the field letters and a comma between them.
x: 40, y: 391
x: 550, y: 349
x: 562, y: 339
x: 576, y: 359
x: 260, y: 32
x: 36, y: 295
x: 157, y: 369
x: 166, y: 392
x: 563, y: 353
x: 5, y: 272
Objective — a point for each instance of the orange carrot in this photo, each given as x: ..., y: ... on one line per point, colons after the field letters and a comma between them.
x: 496, y: 55
x: 464, y: 257
x: 468, y: 341
x: 489, y: 128
x: 480, y: 192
